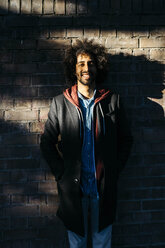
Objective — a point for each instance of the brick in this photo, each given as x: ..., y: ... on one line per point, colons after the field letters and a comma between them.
x: 18, y: 21
x: 137, y: 6
x: 70, y: 7
x: 46, y: 210
x: 21, y: 115
x: 154, y: 159
x: 91, y: 32
x: 159, y: 31
x: 24, y: 91
x: 17, y: 199
x: 115, y: 5
x: 104, y: 7
x: 50, y: 91
x: 52, y: 55
x: 52, y: 199
x: 60, y: 7
x: 126, y: 206
x: 154, y: 20
x: 18, y: 222
x: 44, y: 114
x: 158, y: 6
x: 58, y: 33
x: 37, y: 103
x: 48, y: 6
x: 150, y: 134
x: 82, y: 6
x: 74, y: 32
x: 20, y: 188
x: 53, y: 44
x: 37, y: 127
x: 86, y: 21
x: 122, y: 33
x: 5, y: 80
x: 51, y: 67
x: 49, y: 176
x: 108, y: 32
x: 143, y: 32
x: 158, y: 147
x: 19, y: 68
x: 37, y: 199
x: 25, y: 6
x: 157, y: 54
x: 49, y: 187
x: 25, y: 164
x: 36, y: 175
x: 158, y: 215
x: 5, y: 57
x: 37, y: 6
x: 93, y: 6
x: 1, y: 114
x: 147, y: 6
x: 158, y: 42
x: 14, y: 152
x: 4, y: 223
x: 4, y: 199
x: 6, y: 104
x: 48, y: 79
x: 141, y: 53
x: 22, y: 57
x: 20, y: 234
x: 18, y: 176
x: 20, y: 80
x: 153, y: 204
x: 25, y: 104
x: 35, y: 222
x: 3, y: 7
x: 121, y: 43
x: 126, y: 6
x: 15, y: 6
x: 4, y: 177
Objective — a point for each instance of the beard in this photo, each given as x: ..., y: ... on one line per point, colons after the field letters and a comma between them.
x: 86, y: 82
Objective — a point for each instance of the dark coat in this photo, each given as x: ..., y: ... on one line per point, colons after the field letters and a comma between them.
x: 61, y: 146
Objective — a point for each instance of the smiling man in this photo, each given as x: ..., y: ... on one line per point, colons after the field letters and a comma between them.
x: 93, y: 147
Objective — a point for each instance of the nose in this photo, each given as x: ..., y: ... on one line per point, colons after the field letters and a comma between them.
x: 86, y: 67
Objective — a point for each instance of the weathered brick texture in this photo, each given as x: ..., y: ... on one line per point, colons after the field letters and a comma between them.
x: 33, y: 37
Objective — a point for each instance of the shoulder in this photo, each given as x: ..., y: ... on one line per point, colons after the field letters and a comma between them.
x: 58, y: 99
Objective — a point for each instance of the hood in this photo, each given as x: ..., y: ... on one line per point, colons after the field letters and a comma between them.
x: 71, y: 95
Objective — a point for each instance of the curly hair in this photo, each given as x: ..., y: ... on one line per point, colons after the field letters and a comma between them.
x: 96, y: 51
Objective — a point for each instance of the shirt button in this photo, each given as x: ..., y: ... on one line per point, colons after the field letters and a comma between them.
x: 76, y: 180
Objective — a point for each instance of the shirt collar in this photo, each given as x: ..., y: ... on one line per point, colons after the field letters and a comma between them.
x: 86, y: 99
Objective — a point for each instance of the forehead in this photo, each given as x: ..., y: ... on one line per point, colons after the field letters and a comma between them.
x: 84, y: 57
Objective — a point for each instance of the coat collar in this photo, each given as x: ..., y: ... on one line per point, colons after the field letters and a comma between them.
x: 72, y: 96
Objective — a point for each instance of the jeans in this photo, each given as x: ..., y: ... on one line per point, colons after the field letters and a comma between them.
x: 99, y: 239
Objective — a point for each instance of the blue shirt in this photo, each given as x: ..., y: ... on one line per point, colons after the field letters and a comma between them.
x: 88, y: 172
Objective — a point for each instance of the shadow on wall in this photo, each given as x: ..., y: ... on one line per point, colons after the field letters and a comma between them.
x: 31, y: 73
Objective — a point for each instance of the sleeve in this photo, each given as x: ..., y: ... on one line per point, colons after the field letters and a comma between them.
x: 49, y: 140
x: 124, y: 136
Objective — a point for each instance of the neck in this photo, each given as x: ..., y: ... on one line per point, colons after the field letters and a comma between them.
x: 86, y: 90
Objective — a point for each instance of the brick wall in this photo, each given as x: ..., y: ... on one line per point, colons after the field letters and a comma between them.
x: 33, y: 38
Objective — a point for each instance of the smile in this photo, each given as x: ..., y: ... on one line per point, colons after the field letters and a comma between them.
x: 86, y: 75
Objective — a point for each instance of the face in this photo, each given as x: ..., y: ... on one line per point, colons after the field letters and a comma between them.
x: 85, y: 69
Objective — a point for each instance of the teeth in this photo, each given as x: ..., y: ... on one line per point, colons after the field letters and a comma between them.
x: 86, y: 75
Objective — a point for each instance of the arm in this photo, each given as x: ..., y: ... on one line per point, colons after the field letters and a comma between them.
x: 124, y: 136
x: 49, y: 140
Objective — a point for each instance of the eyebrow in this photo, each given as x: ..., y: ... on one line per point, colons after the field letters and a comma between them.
x: 82, y: 61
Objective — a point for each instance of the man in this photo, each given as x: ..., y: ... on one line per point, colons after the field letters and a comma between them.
x: 86, y: 143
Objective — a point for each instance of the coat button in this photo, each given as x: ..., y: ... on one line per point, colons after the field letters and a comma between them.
x: 76, y: 180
